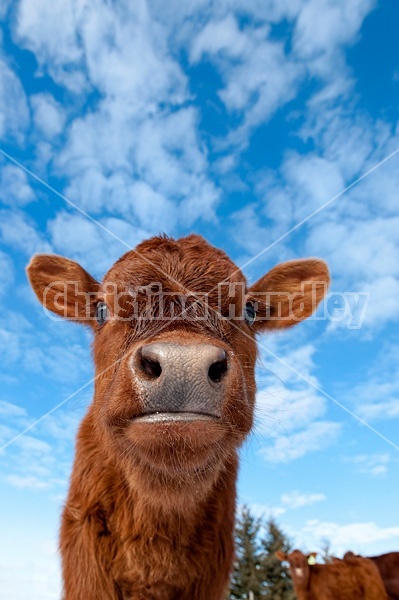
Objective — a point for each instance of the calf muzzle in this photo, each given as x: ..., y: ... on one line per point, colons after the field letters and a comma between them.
x: 183, y: 381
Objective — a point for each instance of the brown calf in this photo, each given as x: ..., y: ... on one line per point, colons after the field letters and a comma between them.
x: 354, y: 579
x: 150, y: 509
x: 388, y: 566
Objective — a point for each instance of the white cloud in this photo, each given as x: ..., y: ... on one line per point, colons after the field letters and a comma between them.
x: 29, y: 463
x: 32, y: 445
x: 62, y: 427
x: 153, y: 210
x: 14, y: 187
x: 75, y: 362
x: 49, y: 116
x: 289, y: 501
x: 262, y: 83
x: 80, y: 239
x: 18, y: 231
x: 142, y: 128
x: 383, y: 304
x: 290, y: 364
x: 264, y: 511
x: 280, y: 411
x: 218, y: 37
x: 4, y: 6
x: 38, y: 351
x: 297, y: 499
x: 27, y: 482
x: 138, y: 149
x: 40, y: 459
x: 377, y: 397
x: 127, y: 57
x: 359, y: 250
x: 318, y: 436
x: 14, y: 113
x: 260, y: 74
x: 50, y: 31
x: 9, y: 348
x: 7, y: 410
x: 249, y: 234
x: 137, y: 168
x: 259, y: 77
x: 359, y: 537
x: 170, y: 158
x: 6, y: 272
x: 6, y: 433
x: 382, y: 187
x: 375, y: 465
x: 347, y: 138
x: 289, y: 413
x: 324, y: 26
x: 380, y: 409
x: 178, y: 15
x: 357, y: 234
x: 311, y: 180
x: 364, y: 257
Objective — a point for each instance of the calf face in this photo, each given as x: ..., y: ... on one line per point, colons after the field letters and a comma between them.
x: 299, y: 566
x: 174, y: 350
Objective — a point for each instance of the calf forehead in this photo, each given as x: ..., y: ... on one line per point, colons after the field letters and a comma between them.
x: 297, y: 555
x: 187, y: 264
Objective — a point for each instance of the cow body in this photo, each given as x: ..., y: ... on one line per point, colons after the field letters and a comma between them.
x: 150, y: 508
x: 388, y: 566
x: 353, y: 579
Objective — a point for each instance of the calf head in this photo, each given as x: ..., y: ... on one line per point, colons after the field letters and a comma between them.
x: 299, y: 566
x: 174, y: 350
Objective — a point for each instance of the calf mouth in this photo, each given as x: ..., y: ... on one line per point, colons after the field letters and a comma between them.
x: 172, y: 417
x: 177, y: 444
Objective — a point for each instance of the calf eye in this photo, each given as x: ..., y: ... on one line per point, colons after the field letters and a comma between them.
x: 101, y: 313
x: 249, y: 313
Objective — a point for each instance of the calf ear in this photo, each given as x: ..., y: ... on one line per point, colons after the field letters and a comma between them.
x: 289, y: 293
x: 64, y: 287
x: 280, y: 555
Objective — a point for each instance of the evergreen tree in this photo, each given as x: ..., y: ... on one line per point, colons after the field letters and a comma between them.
x: 247, y: 572
x: 277, y: 584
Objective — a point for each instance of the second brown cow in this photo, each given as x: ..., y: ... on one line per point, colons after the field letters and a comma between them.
x: 352, y: 579
x: 388, y: 566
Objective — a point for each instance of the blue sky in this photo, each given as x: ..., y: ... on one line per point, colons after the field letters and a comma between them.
x: 237, y: 120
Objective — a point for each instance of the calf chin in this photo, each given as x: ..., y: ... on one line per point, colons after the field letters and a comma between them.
x: 184, y: 456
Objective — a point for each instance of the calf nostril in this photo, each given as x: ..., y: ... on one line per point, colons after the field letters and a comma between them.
x: 150, y: 367
x: 217, y: 370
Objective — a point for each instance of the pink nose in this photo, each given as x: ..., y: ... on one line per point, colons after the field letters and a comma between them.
x: 181, y: 377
